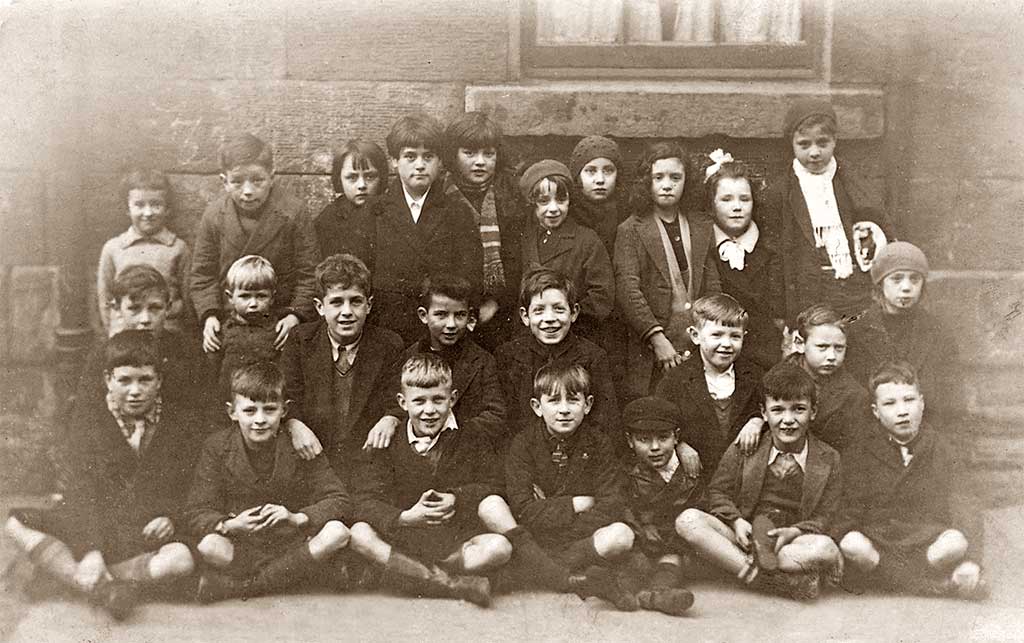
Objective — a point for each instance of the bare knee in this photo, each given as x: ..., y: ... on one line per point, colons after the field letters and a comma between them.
x: 173, y: 559
x: 823, y: 547
x: 334, y: 535
x: 497, y: 549
x: 360, y: 536
x: 613, y: 540
x: 859, y: 551
x: 495, y: 514
x: 950, y: 547
x: 216, y: 550
x: 690, y: 520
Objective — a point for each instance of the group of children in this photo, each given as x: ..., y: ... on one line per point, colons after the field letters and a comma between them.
x: 451, y: 426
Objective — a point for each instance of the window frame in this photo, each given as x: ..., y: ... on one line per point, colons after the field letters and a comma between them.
x: 806, y: 60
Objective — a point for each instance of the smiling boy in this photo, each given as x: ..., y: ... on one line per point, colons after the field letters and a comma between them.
x: 769, y: 511
x: 339, y: 369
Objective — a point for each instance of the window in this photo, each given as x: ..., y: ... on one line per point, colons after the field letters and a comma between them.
x: 673, y: 38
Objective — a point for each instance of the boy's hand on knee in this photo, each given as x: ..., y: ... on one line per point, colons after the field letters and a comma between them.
x: 158, y: 529
x: 211, y: 330
x: 783, y: 536
x: 750, y: 435
x: 742, y: 530
x: 381, y: 434
x: 284, y: 327
x: 688, y: 459
x: 304, y: 441
x: 91, y: 570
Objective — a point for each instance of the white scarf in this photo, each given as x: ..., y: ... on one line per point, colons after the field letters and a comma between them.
x: 734, y: 250
x: 828, y: 229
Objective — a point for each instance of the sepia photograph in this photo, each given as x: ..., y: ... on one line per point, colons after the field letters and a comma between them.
x: 511, y: 320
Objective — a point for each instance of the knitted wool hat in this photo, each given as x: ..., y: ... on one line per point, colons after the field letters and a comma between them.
x: 650, y: 414
x: 590, y: 148
x: 801, y: 111
x: 538, y: 171
x: 898, y: 255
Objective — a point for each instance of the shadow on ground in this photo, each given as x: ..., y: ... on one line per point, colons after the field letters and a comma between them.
x: 720, y: 613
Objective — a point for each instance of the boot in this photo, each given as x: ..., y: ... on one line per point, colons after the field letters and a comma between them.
x: 215, y: 586
x: 413, y: 577
x: 633, y: 571
x: 284, y: 571
x: 116, y: 597
x: 802, y: 586
x: 601, y: 582
x: 674, y: 602
x: 532, y: 566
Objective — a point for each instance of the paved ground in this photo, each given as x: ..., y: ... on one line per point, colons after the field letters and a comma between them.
x: 720, y: 613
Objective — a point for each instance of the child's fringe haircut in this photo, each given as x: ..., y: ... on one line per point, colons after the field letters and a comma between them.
x: 893, y: 372
x: 260, y: 382
x: 473, y: 131
x: 561, y: 376
x: 137, y: 279
x: 251, y: 272
x: 787, y: 381
x: 415, y: 130
x: 245, y: 149
x: 720, y: 308
x: 819, y: 315
x: 132, y: 348
x: 541, y: 279
x: 365, y: 155
x: 343, y: 271
x: 426, y: 371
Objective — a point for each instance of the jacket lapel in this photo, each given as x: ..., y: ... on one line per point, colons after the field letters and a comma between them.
x: 432, y: 212
x: 284, y: 463
x: 561, y: 241
x: 745, y: 384
x: 650, y: 237
x: 237, y: 463
x: 234, y: 237
x: 368, y: 364
x: 798, y: 208
x: 815, y: 477
x: 270, y: 225
x: 318, y: 368
x: 752, y: 480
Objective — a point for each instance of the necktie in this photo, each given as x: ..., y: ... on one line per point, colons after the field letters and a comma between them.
x: 784, y: 466
x: 559, y: 455
x: 342, y: 364
x: 138, y: 429
x: 906, y: 454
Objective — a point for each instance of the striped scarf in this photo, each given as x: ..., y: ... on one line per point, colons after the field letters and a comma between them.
x: 490, y: 235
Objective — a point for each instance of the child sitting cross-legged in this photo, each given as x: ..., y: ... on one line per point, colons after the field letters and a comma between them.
x: 565, y: 487
x: 900, y: 527
x: 659, y: 489
x: 768, y: 512
x: 129, y: 460
x: 264, y: 518
x: 425, y: 501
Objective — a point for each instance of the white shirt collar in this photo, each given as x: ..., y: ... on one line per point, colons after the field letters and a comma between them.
x: 801, y: 458
x: 669, y: 470
x: 415, y: 205
x: 721, y: 386
x: 747, y: 240
x: 423, y: 444
x: 351, y: 349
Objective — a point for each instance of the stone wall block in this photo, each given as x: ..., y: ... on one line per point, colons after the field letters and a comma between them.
x: 34, y: 313
x: 442, y: 40
x: 23, y: 232
x: 985, y: 312
x: 179, y: 126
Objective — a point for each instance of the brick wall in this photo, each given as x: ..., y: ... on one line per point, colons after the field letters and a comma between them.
x: 929, y: 95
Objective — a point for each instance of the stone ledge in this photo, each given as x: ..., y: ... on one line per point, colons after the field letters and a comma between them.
x: 683, y: 109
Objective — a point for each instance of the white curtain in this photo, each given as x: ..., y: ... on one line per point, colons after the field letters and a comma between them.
x: 563, y: 22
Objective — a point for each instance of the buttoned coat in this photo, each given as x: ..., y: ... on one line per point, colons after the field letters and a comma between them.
x: 643, y: 285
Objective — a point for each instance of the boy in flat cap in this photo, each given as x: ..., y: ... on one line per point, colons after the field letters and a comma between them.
x: 658, y: 491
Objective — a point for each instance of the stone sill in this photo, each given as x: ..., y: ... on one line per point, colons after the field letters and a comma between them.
x: 656, y: 109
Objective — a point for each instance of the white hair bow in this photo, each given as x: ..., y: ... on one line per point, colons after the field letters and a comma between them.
x: 719, y: 157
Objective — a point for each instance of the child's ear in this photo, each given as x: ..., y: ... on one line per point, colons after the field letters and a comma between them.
x: 393, y: 164
x: 456, y: 394
x: 369, y: 304
x: 227, y: 293
x: 224, y: 179
x: 401, y: 402
x: 319, y: 305
x: 814, y: 412
x: 230, y: 408
x: 524, y: 317
x: 764, y: 414
x: 421, y: 312
x: 535, y: 405
x: 694, y: 334
x: 284, y: 408
x: 588, y: 404
x: 874, y: 411
x: 575, y: 313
